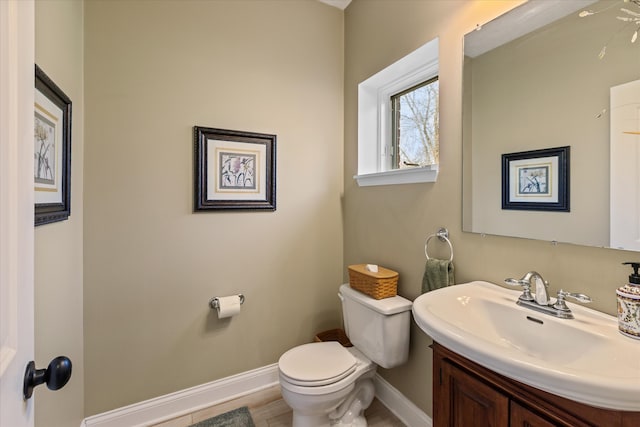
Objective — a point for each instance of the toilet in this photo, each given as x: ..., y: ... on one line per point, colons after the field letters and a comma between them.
x: 326, y: 384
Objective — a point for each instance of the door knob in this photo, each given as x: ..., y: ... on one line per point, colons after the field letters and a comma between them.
x: 55, y: 376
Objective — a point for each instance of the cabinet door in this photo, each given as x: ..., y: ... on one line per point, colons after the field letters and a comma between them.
x: 464, y: 401
x: 522, y: 417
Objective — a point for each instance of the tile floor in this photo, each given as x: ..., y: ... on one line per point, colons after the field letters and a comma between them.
x: 269, y: 410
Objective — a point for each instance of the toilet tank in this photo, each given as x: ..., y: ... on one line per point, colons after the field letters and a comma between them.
x: 378, y: 328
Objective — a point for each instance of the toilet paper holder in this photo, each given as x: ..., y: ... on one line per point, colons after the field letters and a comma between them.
x: 215, y: 302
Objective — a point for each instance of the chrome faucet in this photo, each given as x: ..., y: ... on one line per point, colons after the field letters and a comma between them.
x: 540, y: 301
x: 542, y: 287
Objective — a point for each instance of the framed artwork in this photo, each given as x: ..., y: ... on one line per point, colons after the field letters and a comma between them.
x: 536, y: 180
x: 234, y: 170
x: 52, y: 151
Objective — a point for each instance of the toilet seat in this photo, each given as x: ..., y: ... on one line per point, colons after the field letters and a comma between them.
x: 317, y: 364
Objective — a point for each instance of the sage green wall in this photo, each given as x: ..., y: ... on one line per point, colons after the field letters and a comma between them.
x: 388, y: 224
x: 153, y: 70
x: 59, y: 246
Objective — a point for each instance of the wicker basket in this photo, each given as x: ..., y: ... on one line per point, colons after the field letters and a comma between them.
x: 383, y: 284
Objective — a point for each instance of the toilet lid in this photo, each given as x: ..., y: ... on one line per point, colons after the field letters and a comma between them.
x: 317, y: 364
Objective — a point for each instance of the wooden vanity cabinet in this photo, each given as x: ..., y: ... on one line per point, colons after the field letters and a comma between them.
x: 466, y: 394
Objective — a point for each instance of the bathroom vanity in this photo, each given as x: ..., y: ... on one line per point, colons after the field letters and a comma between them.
x: 498, y: 363
x: 467, y: 394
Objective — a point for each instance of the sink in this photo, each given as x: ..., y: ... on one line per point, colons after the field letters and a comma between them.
x: 584, y: 359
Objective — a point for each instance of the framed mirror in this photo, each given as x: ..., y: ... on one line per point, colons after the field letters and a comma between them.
x: 544, y: 76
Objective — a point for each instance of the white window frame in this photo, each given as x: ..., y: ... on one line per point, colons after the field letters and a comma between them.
x: 374, y: 118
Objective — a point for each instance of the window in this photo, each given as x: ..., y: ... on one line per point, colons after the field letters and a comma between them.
x: 414, y: 121
x: 387, y: 147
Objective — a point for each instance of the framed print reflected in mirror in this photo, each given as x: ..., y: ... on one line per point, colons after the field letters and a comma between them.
x: 536, y: 180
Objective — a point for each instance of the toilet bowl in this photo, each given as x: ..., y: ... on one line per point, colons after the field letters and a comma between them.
x: 326, y: 384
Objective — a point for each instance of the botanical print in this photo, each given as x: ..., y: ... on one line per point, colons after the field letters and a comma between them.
x: 52, y: 151
x: 237, y: 170
x: 533, y: 180
x: 536, y: 180
x: 234, y: 170
x: 44, y: 155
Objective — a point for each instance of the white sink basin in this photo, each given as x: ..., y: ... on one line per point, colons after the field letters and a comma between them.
x: 584, y: 359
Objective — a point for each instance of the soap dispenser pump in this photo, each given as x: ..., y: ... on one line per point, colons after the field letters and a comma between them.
x: 629, y: 304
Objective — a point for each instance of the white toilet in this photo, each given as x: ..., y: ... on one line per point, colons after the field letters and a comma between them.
x: 326, y: 384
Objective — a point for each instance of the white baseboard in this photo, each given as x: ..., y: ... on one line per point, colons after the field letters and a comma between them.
x: 183, y: 402
x: 401, y: 407
x: 186, y: 401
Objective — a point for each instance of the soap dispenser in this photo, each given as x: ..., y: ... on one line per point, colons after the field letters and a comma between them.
x: 629, y: 304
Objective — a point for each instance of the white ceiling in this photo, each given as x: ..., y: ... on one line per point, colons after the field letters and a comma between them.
x: 340, y: 4
x: 517, y: 22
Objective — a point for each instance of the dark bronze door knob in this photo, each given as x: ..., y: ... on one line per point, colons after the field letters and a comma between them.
x: 55, y: 376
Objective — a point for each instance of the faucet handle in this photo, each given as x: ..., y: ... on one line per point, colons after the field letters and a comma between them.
x: 517, y: 282
x: 526, y: 288
x: 560, y: 303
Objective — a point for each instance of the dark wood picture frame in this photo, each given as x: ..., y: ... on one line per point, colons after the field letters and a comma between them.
x: 52, y: 155
x: 234, y: 170
x: 537, y: 180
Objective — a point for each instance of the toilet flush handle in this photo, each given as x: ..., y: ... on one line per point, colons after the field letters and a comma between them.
x: 341, y: 297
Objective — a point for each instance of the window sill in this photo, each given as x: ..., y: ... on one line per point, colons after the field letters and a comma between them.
x: 399, y: 176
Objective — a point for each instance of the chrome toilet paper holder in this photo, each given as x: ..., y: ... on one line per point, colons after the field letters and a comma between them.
x: 214, y: 302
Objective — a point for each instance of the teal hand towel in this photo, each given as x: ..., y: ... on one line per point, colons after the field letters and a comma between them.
x: 437, y: 274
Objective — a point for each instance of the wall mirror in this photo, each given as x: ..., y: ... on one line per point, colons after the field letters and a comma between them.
x: 540, y: 78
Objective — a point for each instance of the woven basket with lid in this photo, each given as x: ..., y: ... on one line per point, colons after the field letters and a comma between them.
x: 383, y: 284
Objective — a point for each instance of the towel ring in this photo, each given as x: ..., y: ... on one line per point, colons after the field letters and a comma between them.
x: 443, y: 236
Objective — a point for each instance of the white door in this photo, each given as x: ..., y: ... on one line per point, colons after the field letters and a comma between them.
x: 16, y: 208
x: 625, y: 166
